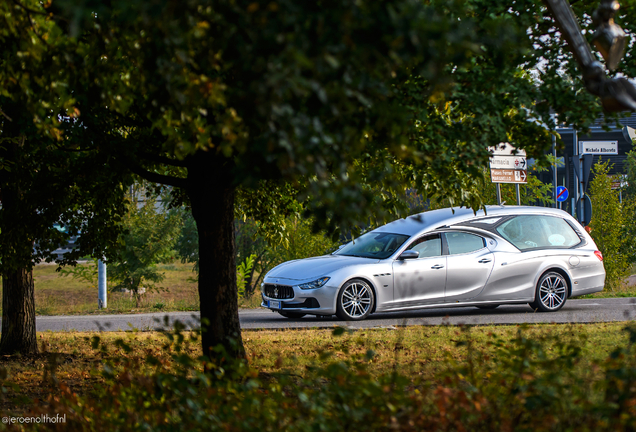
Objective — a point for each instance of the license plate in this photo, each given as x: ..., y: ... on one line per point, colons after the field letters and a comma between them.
x: 274, y: 304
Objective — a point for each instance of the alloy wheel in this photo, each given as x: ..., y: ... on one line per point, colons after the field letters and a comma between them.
x: 355, y: 300
x: 552, y: 291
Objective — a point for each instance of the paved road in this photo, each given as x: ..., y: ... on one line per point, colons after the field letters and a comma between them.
x: 574, y: 311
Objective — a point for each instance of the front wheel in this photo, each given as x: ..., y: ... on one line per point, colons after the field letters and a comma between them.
x: 552, y: 291
x: 355, y: 301
x: 292, y: 315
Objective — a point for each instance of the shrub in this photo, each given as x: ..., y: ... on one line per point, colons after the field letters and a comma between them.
x: 524, y: 385
x: 607, y: 226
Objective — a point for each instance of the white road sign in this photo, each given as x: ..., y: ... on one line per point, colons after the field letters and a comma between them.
x: 598, y: 147
x: 508, y: 162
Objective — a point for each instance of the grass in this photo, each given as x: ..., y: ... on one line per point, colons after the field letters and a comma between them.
x: 59, y: 295
x: 420, y: 353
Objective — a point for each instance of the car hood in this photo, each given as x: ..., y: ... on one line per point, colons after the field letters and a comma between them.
x: 313, y: 268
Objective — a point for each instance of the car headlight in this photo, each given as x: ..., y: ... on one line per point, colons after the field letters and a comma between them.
x: 315, y: 284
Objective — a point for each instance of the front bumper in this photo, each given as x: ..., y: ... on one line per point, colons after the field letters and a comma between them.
x: 319, y: 301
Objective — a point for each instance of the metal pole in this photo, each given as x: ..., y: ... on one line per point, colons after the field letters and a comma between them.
x: 579, y: 171
x: 102, y: 292
x: 554, y: 171
x: 498, y: 193
x: 582, y: 194
x: 518, y: 194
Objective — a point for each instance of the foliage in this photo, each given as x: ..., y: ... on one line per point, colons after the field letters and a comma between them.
x: 629, y: 206
x: 243, y: 272
x: 83, y: 273
x: 301, y: 242
x: 607, y: 226
x: 148, y: 238
x: 187, y: 245
x: 525, y: 384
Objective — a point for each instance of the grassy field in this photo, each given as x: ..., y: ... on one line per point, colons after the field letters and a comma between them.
x: 421, y: 353
x: 59, y: 295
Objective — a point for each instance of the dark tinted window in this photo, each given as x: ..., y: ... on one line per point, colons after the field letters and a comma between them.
x: 459, y: 243
x: 373, y: 244
x: 428, y: 246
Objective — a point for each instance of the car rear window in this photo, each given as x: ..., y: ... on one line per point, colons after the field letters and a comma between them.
x: 537, y: 231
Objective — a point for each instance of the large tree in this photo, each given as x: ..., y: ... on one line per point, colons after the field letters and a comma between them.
x: 42, y: 183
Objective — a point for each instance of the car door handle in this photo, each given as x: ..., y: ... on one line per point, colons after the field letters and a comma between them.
x: 484, y: 260
x: 437, y: 266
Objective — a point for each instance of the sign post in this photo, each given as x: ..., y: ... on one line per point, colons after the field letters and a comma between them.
x: 508, y: 165
x: 102, y: 292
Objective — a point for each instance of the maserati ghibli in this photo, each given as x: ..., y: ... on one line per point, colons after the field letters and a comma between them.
x: 444, y: 258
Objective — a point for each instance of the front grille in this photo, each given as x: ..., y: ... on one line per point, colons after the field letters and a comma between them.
x: 278, y: 291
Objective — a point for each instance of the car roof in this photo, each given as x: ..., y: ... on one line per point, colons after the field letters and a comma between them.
x: 433, y: 219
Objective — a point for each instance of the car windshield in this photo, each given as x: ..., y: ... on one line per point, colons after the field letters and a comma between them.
x: 378, y: 245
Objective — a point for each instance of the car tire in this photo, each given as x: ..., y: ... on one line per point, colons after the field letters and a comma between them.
x: 292, y: 315
x: 488, y: 307
x: 355, y: 300
x: 551, y: 292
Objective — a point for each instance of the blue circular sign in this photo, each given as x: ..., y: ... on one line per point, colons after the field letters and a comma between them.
x: 562, y: 193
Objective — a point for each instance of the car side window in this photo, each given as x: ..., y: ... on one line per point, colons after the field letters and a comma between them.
x: 459, y: 243
x: 529, y: 232
x: 427, y: 246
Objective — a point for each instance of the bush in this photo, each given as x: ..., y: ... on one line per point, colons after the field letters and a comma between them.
x: 526, y: 385
x: 607, y: 226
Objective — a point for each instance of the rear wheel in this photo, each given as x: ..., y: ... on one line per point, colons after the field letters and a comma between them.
x: 551, y: 294
x: 293, y: 315
x: 355, y: 301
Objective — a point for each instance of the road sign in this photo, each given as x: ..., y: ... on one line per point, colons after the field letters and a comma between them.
x: 562, y: 193
x: 508, y: 162
x: 598, y: 147
x: 508, y: 176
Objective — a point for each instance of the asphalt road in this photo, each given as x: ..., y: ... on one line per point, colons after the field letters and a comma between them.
x: 574, y: 311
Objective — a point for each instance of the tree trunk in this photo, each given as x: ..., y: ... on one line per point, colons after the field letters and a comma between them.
x: 18, y: 293
x: 212, y: 194
x: 18, y: 313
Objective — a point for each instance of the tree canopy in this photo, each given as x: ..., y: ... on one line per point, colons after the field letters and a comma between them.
x: 344, y: 104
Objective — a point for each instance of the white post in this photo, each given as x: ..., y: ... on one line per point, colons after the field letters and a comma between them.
x: 102, y: 292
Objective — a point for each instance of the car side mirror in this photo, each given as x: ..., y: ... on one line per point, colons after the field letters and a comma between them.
x: 409, y: 254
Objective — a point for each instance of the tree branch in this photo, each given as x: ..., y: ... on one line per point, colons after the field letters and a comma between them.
x: 6, y: 116
x: 158, y: 178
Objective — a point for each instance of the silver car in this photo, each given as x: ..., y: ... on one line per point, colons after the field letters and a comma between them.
x: 445, y: 258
